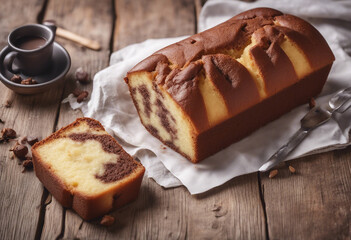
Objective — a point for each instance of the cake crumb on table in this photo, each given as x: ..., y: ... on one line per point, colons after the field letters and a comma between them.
x: 83, y: 95
x: 273, y: 173
x: 292, y: 169
x: 312, y: 103
x: 27, y: 164
x: 107, y: 220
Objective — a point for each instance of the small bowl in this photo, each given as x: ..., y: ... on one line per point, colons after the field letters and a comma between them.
x: 60, y: 65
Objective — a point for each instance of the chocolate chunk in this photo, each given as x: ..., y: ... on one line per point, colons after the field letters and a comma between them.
x: 32, y: 140
x: 8, y: 133
x: 23, y: 140
x: 16, y: 79
x: 82, y: 96
x: 82, y: 76
x: 20, y: 151
x: 28, y: 164
x: 28, y: 81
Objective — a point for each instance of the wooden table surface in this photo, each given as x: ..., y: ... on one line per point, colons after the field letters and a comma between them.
x: 314, y: 203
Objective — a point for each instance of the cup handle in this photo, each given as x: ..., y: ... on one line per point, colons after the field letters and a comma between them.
x: 52, y: 25
x: 8, y: 61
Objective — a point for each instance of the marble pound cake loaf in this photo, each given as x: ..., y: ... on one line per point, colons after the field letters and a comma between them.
x: 85, y: 168
x: 203, y: 93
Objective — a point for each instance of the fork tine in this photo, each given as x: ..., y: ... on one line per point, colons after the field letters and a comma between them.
x: 344, y: 107
x: 339, y: 99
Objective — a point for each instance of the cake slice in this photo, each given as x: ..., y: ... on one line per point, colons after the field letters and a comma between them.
x: 85, y: 169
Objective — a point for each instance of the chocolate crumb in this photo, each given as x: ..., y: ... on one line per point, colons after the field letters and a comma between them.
x: 292, y: 169
x: 220, y: 213
x: 32, y: 140
x: 16, y: 79
x: 107, y: 220
x: 8, y: 104
x: 20, y: 151
x: 312, y: 103
x: 2, y: 121
x: 216, y: 208
x: 28, y: 164
x: 82, y: 76
x: 273, y: 173
x: 23, y: 140
x: 8, y: 133
x: 28, y: 81
x: 82, y: 96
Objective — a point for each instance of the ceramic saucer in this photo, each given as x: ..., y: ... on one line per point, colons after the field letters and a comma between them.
x: 61, y: 63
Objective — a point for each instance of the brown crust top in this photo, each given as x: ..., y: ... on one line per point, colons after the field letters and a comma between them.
x: 231, y: 78
x: 178, y: 67
x: 235, y: 33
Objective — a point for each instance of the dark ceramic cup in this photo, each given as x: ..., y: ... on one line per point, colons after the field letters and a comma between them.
x: 31, y: 49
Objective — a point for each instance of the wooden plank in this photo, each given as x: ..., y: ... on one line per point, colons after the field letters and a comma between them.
x: 198, y: 8
x: 232, y: 211
x: 94, y: 20
x: 314, y: 203
x: 140, y: 20
x: 21, y: 193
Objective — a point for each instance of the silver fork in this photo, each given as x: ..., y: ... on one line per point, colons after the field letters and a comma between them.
x: 315, y: 117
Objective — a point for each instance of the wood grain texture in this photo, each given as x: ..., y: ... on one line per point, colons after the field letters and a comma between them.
x: 94, y: 20
x: 232, y: 211
x: 143, y: 19
x: 29, y: 116
x: 315, y: 202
